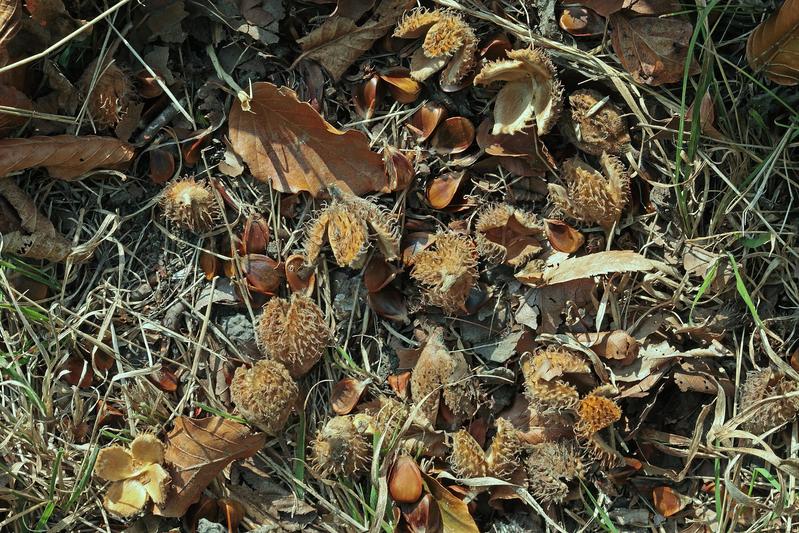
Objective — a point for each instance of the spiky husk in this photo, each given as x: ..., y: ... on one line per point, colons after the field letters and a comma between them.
x: 431, y: 373
x: 265, y: 394
x: 415, y: 23
x: 767, y: 383
x: 601, y: 454
x: 502, y: 228
x: 340, y: 448
x: 447, y: 270
x: 550, y: 467
x: 596, y: 130
x: 595, y: 413
x: 293, y: 332
x: 503, y: 454
x: 109, y: 97
x: 532, y: 93
x: 190, y: 204
x: 540, y: 370
x: 468, y: 459
x: 591, y: 197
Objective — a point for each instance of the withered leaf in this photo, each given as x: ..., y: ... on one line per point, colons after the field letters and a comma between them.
x: 774, y: 45
x: 338, y: 42
x: 598, y: 264
x: 642, y: 7
x: 10, y: 18
x: 64, y: 156
x: 455, y: 514
x: 12, y: 97
x: 287, y: 143
x: 653, y: 49
x: 197, y: 451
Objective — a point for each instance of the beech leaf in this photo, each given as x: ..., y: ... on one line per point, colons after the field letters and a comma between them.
x: 338, y: 42
x: 197, y: 451
x: 641, y: 7
x: 25, y: 231
x: 64, y: 156
x: 598, y: 264
x: 652, y: 49
x: 773, y: 47
x: 287, y: 143
x: 455, y: 514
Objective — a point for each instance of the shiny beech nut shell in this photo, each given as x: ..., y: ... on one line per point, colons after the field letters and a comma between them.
x: 442, y: 190
x: 262, y: 273
x: 300, y: 277
x: 496, y: 48
x: 563, y: 237
x: 405, y: 481
x: 162, y: 165
x: 398, y: 167
x: 401, y: 86
x: 256, y: 235
x: 367, y: 97
x: 581, y: 22
x: 378, y: 274
x: 148, y: 85
x: 389, y: 303
x: 455, y: 135
x: 425, y: 120
x: 346, y: 394
x: 425, y: 515
x: 414, y: 243
x: 210, y: 264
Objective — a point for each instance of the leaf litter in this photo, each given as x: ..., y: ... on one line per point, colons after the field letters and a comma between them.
x: 361, y: 266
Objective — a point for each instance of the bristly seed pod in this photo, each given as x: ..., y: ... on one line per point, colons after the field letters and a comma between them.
x: 595, y: 413
x: 767, y: 383
x: 500, y: 461
x: 550, y: 467
x: 447, y: 271
x: 293, y: 332
x: 532, y: 93
x: 596, y: 125
x: 507, y: 234
x: 592, y: 197
x: 265, y: 394
x: 109, y: 97
x: 437, y: 373
x: 190, y: 204
x: 542, y: 388
x: 449, y: 42
x: 340, y: 449
x: 345, y: 224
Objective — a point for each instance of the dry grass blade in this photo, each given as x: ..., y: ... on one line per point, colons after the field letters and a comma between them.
x: 773, y: 47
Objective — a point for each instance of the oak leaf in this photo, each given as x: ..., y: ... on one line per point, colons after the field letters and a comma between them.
x: 287, y: 143
x: 338, y: 42
x: 773, y: 47
x: 653, y: 50
x: 197, y: 451
x: 64, y: 156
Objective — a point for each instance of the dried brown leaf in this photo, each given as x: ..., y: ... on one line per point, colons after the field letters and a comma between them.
x: 26, y: 232
x: 287, y: 143
x: 455, y: 514
x: 773, y: 47
x: 10, y: 18
x: 599, y: 264
x: 12, y: 97
x: 338, y: 42
x: 653, y: 49
x: 64, y: 156
x: 197, y: 451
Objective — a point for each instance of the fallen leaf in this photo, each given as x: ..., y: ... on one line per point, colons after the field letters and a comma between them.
x: 10, y: 18
x: 641, y: 7
x: 455, y: 514
x: 197, y: 451
x: 262, y: 19
x: 288, y: 144
x: 64, y: 156
x: 338, y: 42
x: 653, y: 49
x: 12, y: 97
x: 26, y: 232
x: 54, y: 18
x: 773, y: 47
x: 346, y: 394
x: 598, y: 264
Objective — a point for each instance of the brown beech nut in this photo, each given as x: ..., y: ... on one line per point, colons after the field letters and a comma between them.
x: 405, y: 481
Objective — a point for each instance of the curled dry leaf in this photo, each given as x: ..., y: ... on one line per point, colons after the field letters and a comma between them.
x: 338, y: 42
x: 426, y: 120
x: 346, y: 394
x: 653, y: 50
x: 773, y: 47
x: 532, y: 93
x: 26, y: 232
x: 197, y: 451
x: 453, y: 136
x: 268, y: 139
x: 563, y: 237
x: 64, y: 156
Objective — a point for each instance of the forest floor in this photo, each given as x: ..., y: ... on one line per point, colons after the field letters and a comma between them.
x: 546, y: 281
